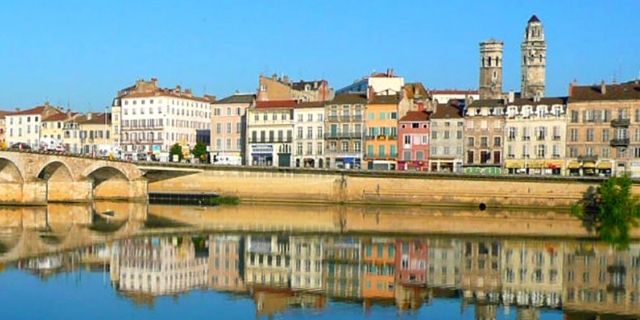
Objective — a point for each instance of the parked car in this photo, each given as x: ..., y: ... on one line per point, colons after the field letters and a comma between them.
x: 20, y: 146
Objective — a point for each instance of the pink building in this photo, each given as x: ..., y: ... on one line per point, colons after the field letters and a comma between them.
x: 413, y: 141
x: 411, y: 262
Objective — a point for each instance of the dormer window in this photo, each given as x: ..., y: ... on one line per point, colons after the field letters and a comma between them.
x: 526, y: 111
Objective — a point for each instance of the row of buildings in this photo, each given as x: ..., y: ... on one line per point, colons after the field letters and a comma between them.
x: 281, y: 271
x: 378, y: 122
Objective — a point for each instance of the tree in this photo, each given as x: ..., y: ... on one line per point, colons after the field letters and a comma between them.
x: 611, y: 210
x: 176, y: 149
x: 199, y: 151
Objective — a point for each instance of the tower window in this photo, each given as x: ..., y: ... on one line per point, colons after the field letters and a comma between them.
x: 489, y: 62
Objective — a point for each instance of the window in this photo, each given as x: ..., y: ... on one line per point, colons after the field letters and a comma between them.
x: 381, y: 151
x: 406, y: 155
x: 590, y: 134
x: 541, y: 151
x: 407, y: 139
x: 574, y: 116
x: 573, y: 135
x: 497, y: 141
x: 470, y: 141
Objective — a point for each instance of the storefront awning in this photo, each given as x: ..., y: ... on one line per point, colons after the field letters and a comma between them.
x: 535, y: 164
x: 604, y: 165
x: 514, y: 164
x: 553, y: 164
x: 573, y: 165
x: 589, y: 165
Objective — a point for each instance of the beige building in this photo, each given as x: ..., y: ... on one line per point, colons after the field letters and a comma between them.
x: 481, y: 272
x: 276, y: 88
x: 603, y: 129
x: 447, y: 130
x: 228, y: 129
x: 270, y: 133
x: 25, y: 125
x: 53, y: 128
x: 95, y: 134
x: 3, y: 129
x: 484, y: 137
x: 226, y: 263
x: 345, y: 131
x: 535, y: 132
x: 308, y: 135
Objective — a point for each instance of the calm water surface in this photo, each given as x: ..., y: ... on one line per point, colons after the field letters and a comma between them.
x: 133, y: 261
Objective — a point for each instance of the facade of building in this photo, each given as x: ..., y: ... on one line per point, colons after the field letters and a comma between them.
x: 443, y: 263
x: 382, y: 132
x: 152, y: 119
x: 603, y: 129
x: 378, y: 83
x: 413, y: 141
x: 535, y: 136
x: 52, y: 132
x: 534, y: 60
x: 484, y: 137
x: 228, y: 125
x: 3, y: 130
x: 345, y: 131
x: 25, y: 125
x: 277, y: 88
x: 481, y: 273
x: 308, y: 135
x: 447, y: 130
x: 491, y: 69
x: 270, y: 133
x: 95, y: 134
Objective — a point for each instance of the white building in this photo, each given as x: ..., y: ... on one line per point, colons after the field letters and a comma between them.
x: 306, y: 262
x: 308, y: 135
x: 443, y: 96
x: 151, y: 119
x: 381, y: 83
x: 270, y: 133
x: 25, y: 126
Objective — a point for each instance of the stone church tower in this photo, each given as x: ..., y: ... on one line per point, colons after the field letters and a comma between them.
x: 491, y: 69
x: 534, y: 60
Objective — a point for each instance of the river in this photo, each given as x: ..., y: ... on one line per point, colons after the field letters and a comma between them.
x: 109, y: 260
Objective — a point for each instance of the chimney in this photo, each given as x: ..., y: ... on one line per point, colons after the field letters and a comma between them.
x: 370, y: 93
x: 512, y: 96
x: 571, y: 85
x: 603, y: 88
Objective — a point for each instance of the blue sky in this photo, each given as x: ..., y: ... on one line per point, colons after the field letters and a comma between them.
x: 81, y: 52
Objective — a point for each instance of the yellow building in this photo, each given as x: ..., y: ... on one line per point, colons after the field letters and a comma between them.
x: 3, y: 128
x: 53, y: 127
x: 95, y: 133
x: 381, y: 118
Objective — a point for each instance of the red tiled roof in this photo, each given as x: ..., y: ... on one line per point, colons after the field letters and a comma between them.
x: 416, y: 116
x: 453, y: 91
x: 96, y: 118
x: 625, y: 91
x: 276, y: 104
x: 36, y: 110
x: 59, y: 116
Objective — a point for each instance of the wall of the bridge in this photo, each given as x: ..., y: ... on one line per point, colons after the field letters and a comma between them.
x: 382, y: 188
x: 35, y: 179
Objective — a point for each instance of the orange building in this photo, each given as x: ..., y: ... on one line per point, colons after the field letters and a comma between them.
x: 381, y: 119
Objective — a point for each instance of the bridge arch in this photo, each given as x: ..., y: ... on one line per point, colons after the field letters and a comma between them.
x: 10, y: 172
x: 109, y: 183
x: 55, y: 170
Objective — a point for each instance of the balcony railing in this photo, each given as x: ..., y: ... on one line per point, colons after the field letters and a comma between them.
x: 620, y: 142
x: 281, y: 140
x: 588, y: 158
x: 556, y: 138
x: 541, y: 137
x: 620, y: 122
x: 342, y: 135
x: 381, y: 137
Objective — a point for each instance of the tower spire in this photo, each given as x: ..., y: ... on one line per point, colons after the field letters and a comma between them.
x: 534, y: 59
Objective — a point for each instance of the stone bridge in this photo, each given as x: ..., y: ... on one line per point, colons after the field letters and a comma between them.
x: 28, y: 178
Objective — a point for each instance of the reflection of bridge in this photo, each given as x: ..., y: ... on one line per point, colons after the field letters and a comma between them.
x: 34, y: 231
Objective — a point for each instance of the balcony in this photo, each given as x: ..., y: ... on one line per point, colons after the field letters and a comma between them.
x: 281, y: 140
x: 343, y: 135
x: 588, y: 158
x: 526, y: 138
x: 541, y: 137
x: 620, y: 142
x: 345, y: 118
x: 381, y: 137
x: 556, y: 138
x: 620, y: 123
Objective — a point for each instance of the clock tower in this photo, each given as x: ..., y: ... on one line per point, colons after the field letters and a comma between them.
x: 534, y: 60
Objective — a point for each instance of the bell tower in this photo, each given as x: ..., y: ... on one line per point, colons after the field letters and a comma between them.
x: 491, y: 69
x: 534, y: 60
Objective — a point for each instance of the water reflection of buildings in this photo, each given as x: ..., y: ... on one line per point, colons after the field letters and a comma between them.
x: 598, y: 278
x: 157, y: 266
x: 226, y: 263
x: 267, y: 260
x: 281, y: 271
